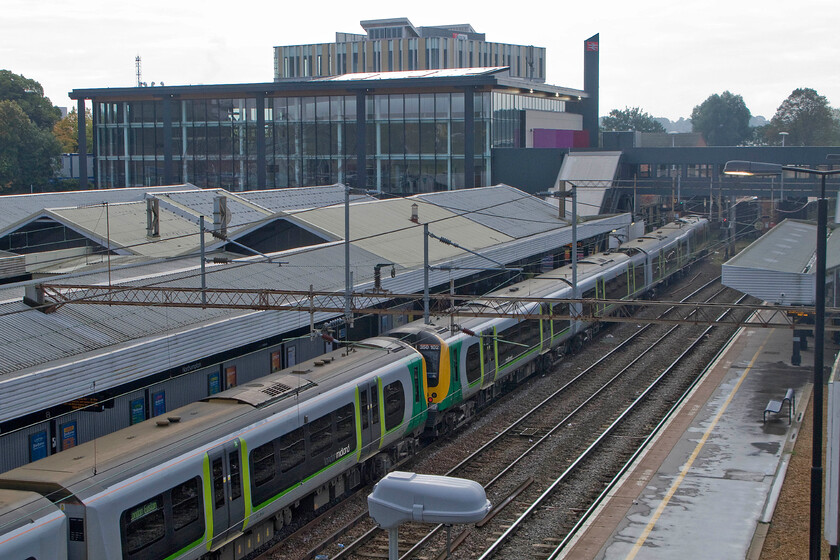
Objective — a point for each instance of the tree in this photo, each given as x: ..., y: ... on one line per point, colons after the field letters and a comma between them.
x: 66, y: 131
x: 723, y: 120
x: 29, y: 95
x: 807, y: 118
x: 630, y: 118
x: 28, y: 154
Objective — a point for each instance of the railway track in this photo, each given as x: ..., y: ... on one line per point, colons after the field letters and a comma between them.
x: 521, y: 441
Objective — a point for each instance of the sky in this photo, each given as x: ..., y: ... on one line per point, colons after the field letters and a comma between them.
x: 663, y: 56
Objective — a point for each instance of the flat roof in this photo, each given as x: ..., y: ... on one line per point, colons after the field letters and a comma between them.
x: 456, y: 78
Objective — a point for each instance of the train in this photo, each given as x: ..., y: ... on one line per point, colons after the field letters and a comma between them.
x: 219, y: 477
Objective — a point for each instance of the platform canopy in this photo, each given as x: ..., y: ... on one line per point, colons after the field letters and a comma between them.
x: 779, y: 266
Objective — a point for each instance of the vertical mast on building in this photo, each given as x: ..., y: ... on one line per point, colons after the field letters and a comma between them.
x: 137, y: 68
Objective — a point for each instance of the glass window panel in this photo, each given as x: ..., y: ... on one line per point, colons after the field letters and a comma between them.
x: 412, y: 138
x: 412, y: 106
x: 457, y: 105
x: 308, y: 104
x: 442, y: 106
x: 294, y: 132
x: 427, y: 106
x: 293, y: 109
x: 322, y: 108
x: 350, y: 108
x: 322, y: 131
x: 397, y: 138
x: 457, y: 173
x: 350, y: 138
x: 427, y: 138
x: 441, y: 138
x: 281, y: 112
x: 381, y: 111
x: 336, y: 108
x: 397, y: 107
x: 458, y: 138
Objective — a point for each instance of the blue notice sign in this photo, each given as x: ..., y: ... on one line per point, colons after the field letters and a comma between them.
x: 158, y: 403
x: 138, y: 410
x: 37, y: 446
x: 214, y: 383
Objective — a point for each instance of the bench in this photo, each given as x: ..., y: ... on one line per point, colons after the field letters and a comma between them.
x: 775, y: 406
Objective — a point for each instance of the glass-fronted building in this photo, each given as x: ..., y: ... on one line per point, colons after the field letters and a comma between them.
x: 405, y: 132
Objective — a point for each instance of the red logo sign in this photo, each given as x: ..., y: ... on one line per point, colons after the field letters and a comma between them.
x: 592, y: 46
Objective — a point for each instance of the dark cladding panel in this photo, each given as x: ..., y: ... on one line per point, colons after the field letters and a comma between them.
x: 591, y: 49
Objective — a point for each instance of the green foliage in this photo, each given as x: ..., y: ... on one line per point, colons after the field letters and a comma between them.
x: 630, y: 118
x: 28, y: 154
x: 66, y: 131
x: 28, y: 150
x: 29, y: 95
x: 723, y: 120
x: 807, y: 118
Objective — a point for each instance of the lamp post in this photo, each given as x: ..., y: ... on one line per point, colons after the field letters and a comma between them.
x: 750, y: 168
x: 783, y: 135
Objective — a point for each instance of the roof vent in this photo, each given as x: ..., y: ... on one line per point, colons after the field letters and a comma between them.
x: 276, y: 389
x: 414, y: 214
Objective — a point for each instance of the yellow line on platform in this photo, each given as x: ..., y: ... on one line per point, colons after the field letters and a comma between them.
x: 671, y: 491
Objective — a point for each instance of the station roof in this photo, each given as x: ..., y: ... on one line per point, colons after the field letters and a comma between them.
x: 593, y: 174
x: 48, y: 359
x: 779, y: 266
x: 18, y: 207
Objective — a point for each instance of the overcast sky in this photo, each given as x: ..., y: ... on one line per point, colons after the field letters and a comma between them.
x: 664, y: 56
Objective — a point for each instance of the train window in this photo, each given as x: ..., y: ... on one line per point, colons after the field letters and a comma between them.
x: 374, y: 406
x: 262, y: 463
x: 144, y: 525
x: 473, y: 364
x: 165, y: 524
x: 185, y: 504
x: 394, y: 404
x: 218, y: 483
x: 560, y: 325
x: 363, y: 404
x: 345, y: 427
x: 431, y: 352
x: 416, y: 379
x: 292, y: 450
x: 235, y: 479
x: 320, y: 434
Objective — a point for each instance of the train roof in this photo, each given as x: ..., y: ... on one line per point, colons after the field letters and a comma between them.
x: 17, y: 508
x: 93, y: 465
x: 656, y: 238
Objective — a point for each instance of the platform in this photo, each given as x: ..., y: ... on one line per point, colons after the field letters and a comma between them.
x: 714, y: 473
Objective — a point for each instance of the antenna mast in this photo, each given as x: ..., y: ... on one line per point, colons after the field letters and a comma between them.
x: 137, y: 66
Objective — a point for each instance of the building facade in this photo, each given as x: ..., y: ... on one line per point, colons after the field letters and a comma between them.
x: 408, y: 132
x: 391, y: 45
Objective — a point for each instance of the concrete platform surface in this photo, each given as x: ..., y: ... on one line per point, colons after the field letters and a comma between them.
x: 707, y: 481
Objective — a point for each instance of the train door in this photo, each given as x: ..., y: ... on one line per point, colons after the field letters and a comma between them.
x: 545, y: 328
x: 369, y: 416
x: 488, y: 356
x: 228, y: 499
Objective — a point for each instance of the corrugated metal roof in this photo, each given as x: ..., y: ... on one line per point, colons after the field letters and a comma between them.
x: 384, y: 228
x: 788, y: 247
x: 123, y: 228
x: 18, y: 207
x: 593, y: 173
x: 200, y: 203
x: 282, y: 200
x: 501, y: 207
x: 779, y: 266
x: 57, y: 357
